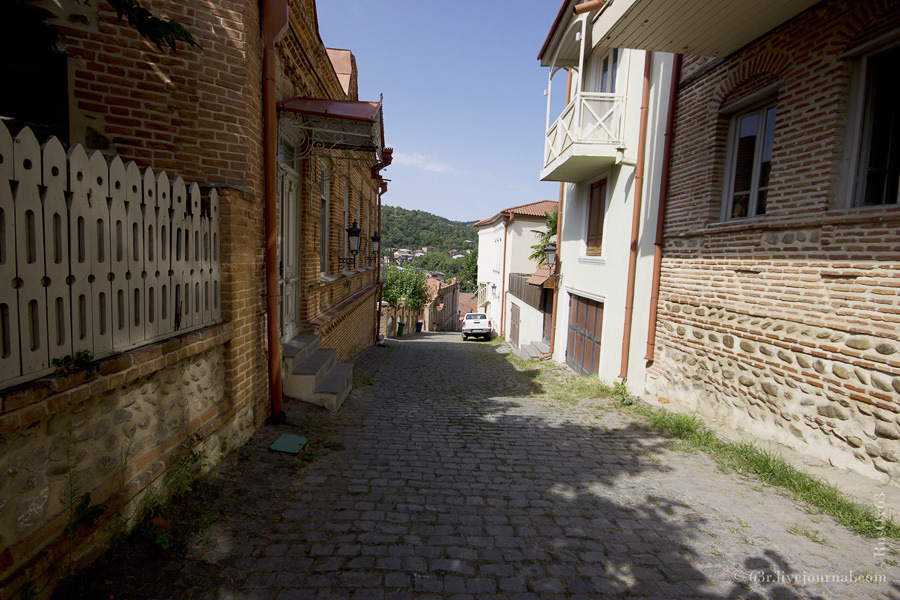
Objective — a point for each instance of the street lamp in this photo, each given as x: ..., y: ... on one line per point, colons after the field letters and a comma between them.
x: 353, y: 239
x: 550, y: 254
x: 376, y: 243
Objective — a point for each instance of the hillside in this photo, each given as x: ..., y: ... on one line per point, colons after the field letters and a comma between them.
x: 412, y: 229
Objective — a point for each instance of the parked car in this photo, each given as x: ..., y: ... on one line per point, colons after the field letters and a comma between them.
x: 476, y: 324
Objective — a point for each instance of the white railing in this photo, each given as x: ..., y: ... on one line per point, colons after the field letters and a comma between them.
x: 590, y: 118
x: 97, y: 256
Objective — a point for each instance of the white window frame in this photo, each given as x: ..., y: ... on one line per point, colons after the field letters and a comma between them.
x: 760, y: 108
x: 857, y: 146
x: 325, y: 203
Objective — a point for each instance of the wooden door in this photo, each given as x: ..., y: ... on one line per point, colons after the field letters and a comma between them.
x: 585, y: 328
x: 288, y: 234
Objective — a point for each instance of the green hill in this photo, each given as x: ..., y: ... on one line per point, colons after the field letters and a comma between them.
x: 412, y: 229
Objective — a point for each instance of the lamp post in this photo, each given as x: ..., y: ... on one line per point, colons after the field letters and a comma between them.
x: 550, y: 255
x: 376, y: 248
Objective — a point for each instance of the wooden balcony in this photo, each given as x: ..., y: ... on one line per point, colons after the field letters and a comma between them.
x: 585, y: 138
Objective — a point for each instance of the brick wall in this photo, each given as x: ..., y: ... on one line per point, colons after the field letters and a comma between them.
x: 789, y: 325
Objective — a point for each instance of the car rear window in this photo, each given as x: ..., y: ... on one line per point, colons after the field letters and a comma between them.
x: 476, y: 316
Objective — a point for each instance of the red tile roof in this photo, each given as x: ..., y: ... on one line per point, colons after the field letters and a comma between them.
x: 534, y: 209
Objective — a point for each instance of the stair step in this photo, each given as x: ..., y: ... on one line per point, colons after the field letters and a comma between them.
x: 321, y: 359
x: 541, y: 347
x: 531, y: 351
x: 300, y: 346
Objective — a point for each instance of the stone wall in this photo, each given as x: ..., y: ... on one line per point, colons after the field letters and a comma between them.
x: 111, y: 432
x: 392, y: 315
x: 786, y: 325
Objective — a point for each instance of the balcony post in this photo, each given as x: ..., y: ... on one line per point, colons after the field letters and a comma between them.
x: 578, y: 108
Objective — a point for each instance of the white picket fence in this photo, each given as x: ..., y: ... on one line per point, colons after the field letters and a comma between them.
x: 97, y: 256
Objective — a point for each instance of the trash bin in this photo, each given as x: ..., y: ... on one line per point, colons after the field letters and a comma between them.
x: 419, y: 326
x: 400, y: 327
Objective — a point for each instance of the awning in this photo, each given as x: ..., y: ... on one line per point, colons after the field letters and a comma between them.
x: 336, y: 124
x: 540, y: 277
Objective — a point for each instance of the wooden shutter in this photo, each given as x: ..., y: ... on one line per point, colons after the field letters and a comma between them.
x: 596, y: 202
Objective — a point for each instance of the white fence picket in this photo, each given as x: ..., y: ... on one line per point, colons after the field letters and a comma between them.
x: 56, y: 252
x: 101, y: 289
x: 180, y: 282
x: 118, y: 254
x: 92, y: 253
x: 30, y: 253
x: 164, y: 227
x: 81, y: 231
x: 134, y: 235
x: 153, y: 297
x: 194, y: 262
x: 10, y: 365
x: 215, y: 269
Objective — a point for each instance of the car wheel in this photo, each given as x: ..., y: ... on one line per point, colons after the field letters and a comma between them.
x: 465, y: 337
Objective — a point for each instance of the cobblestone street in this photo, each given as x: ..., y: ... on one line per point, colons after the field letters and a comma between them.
x: 451, y: 475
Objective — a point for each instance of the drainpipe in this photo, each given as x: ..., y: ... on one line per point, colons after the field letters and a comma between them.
x: 661, y: 215
x: 378, y: 272
x: 636, y: 215
x: 274, y: 24
x: 588, y: 6
x: 503, y: 280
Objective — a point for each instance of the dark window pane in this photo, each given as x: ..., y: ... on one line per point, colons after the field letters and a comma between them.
x: 882, y: 174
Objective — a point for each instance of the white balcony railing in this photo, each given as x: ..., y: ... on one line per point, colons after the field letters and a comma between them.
x: 590, y: 118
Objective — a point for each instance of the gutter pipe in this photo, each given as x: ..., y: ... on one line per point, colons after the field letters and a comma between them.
x: 381, y: 191
x: 274, y: 25
x: 580, y: 9
x: 636, y: 215
x: 661, y: 216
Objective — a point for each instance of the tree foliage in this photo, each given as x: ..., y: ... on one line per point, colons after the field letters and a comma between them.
x: 537, y: 250
x: 403, y: 228
x: 158, y: 31
x: 407, y: 285
x: 468, y: 277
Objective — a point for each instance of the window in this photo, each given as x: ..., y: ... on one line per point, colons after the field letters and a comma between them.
x: 603, y: 72
x: 596, y: 207
x: 345, y: 244
x: 323, y: 218
x: 748, y: 162
x: 877, y: 173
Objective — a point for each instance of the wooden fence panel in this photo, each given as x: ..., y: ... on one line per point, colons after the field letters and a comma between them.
x: 97, y: 256
x: 10, y: 362
x: 56, y: 253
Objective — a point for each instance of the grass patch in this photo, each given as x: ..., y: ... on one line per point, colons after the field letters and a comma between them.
x: 812, y: 534
x: 770, y: 467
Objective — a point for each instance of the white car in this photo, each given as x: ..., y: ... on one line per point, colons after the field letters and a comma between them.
x: 476, y: 324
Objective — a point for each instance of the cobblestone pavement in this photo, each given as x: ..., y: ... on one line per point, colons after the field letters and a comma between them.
x: 457, y: 479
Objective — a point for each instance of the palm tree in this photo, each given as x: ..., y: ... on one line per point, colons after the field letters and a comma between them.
x: 545, y: 237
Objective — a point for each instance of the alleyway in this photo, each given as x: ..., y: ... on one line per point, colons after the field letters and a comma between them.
x: 456, y: 479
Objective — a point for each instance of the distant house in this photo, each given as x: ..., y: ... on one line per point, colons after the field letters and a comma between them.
x: 467, y: 303
x: 442, y: 312
x: 504, y: 247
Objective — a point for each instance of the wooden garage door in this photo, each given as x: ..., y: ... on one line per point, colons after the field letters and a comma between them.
x: 585, y: 327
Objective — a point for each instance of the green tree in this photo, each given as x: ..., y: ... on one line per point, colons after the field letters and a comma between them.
x: 544, y: 241
x: 407, y: 285
x: 468, y: 276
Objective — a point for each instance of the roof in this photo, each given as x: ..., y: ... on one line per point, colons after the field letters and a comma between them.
x: 540, y: 276
x: 556, y: 23
x: 340, y: 124
x: 355, y: 110
x: 468, y: 302
x: 533, y: 209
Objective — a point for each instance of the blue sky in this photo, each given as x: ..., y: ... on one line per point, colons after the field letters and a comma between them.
x: 464, y: 104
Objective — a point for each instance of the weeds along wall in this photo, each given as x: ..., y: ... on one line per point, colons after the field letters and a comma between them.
x: 786, y: 325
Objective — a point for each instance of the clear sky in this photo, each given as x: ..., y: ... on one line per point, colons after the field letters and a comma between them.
x: 464, y: 105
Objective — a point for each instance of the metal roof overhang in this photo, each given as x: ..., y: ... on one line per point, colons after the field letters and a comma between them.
x: 336, y: 124
x: 705, y: 27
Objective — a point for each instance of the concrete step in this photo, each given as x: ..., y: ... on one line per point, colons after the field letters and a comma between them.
x: 541, y: 347
x: 301, y: 381
x: 531, y: 350
x: 335, y: 388
x: 299, y: 348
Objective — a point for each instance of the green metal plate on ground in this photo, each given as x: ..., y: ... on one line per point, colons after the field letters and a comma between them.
x: 292, y: 444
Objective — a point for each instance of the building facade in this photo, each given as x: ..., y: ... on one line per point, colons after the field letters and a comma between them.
x: 504, y: 248
x: 131, y: 376
x: 778, y: 311
x: 604, y: 150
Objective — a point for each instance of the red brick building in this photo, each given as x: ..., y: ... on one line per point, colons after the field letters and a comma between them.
x: 778, y: 308
x: 194, y: 124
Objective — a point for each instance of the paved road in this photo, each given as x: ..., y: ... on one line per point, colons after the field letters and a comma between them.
x: 457, y: 479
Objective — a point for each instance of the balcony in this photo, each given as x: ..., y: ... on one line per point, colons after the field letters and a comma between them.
x: 585, y: 138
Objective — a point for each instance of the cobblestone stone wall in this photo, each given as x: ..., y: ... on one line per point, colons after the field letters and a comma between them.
x: 111, y: 433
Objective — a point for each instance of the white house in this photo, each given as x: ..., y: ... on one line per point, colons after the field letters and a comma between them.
x: 605, y: 150
x: 504, y: 245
